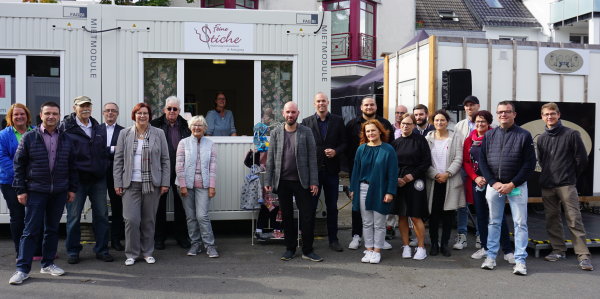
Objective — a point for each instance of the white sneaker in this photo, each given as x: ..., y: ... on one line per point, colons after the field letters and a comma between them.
x: 386, y: 245
x: 150, y: 260
x: 375, y: 257
x: 129, y: 262
x: 461, y: 242
x: 420, y: 254
x: 18, y: 277
x: 477, y: 242
x: 367, y: 257
x: 479, y: 254
x: 413, y: 242
x: 520, y: 269
x: 53, y: 270
x: 406, y: 252
x: 488, y: 264
x: 356, y: 240
x: 510, y: 258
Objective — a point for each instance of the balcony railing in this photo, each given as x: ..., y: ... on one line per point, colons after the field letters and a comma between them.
x: 340, y: 46
x: 367, y: 47
x: 571, y: 10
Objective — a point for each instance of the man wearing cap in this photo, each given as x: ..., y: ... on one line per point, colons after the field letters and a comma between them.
x: 89, y: 143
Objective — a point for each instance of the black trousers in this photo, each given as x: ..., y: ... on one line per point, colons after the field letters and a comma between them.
x: 117, y: 226
x: 180, y: 225
x: 267, y: 218
x: 286, y: 191
x: 439, y: 215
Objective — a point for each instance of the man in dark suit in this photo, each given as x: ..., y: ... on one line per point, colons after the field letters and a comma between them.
x: 330, y: 139
x: 112, y: 129
x: 292, y: 172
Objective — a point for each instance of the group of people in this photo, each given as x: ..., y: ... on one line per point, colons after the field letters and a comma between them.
x: 62, y: 163
x: 421, y: 171
x: 413, y: 169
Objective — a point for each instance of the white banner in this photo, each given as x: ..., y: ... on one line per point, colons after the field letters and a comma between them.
x: 218, y: 37
x: 5, y: 94
x: 564, y: 61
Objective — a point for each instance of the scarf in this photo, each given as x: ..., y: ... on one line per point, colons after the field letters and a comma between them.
x: 147, y: 186
x: 554, y: 131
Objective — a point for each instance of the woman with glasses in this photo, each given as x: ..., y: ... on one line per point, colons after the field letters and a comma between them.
x: 220, y: 120
x: 196, y: 168
x: 142, y: 174
x: 414, y: 158
x: 444, y: 185
x: 478, y: 184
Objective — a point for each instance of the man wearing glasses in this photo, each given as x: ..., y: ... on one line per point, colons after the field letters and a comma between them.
x: 400, y: 111
x: 112, y: 130
x: 563, y: 158
x: 507, y: 160
x: 175, y: 128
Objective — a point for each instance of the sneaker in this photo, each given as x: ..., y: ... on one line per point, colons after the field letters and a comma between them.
x: 420, y: 254
x: 277, y: 235
x: 389, y: 233
x: 356, y: 240
x: 263, y: 236
x: 150, y: 260
x: 335, y: 246
x: 53, y: 270
x: 406, y: 252
x: 413, y: 242
x: 555, y: 256
x: 194, y: 249
x: 287, y: 255
x: 18, y: 278
x: 106, y: 257
x: 586, y: 265
x: 386, y: 245
x: 73, y: 259
x: 313, y: 257
x: 461, y: 242
x: 488, y: 264
x: 375, y: 258
x: 367, y: 256
x: 510, y: 258
x: 479, y: 254
x: 477, y: 242
x: 211, y: 251
x: 520, y: 269
x: 129, y: 262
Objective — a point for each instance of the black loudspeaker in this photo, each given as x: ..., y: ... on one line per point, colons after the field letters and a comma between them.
x: 456, y: 86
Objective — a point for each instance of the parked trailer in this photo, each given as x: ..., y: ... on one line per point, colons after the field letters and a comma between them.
x: 259, y: 58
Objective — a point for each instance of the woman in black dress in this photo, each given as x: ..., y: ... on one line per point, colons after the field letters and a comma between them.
x: 414, y: 158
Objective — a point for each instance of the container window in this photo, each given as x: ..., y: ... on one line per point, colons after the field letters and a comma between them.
x: 7, y: 86
x: 160, y: 82
x: 276, y: 90
x: 43, y: 82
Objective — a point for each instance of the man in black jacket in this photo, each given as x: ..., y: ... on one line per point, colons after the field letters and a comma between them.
x: 330, y: 138
x: 175, y: 128
x: 507, y: 160
x: 563, y: 158
x: 368, y: 107
x: 45, y: 179
x: 111, y: 129
x: 91, y: 160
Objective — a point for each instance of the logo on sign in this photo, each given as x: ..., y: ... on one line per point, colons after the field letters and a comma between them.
x: 217, y: 36
x: 564, y: 61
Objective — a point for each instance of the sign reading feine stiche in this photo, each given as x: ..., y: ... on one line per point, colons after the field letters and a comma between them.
x: 218, y: 37
x: 563, y: 61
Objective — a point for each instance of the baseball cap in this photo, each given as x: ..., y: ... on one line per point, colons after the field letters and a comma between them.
x: 81, y: 100
x: 471, y: 99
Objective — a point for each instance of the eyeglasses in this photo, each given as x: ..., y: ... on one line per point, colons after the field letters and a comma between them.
x: 142, y: 113
x: 481, y: 122
x: 111, y: 110
x: 400, y: 112
x: 549, y: 114
x: 504, y: 112
x: 197, y: 126
x: 172, y: 108
x: 406, y: 124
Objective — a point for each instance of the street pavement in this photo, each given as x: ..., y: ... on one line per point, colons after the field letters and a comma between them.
x: 246, y: 271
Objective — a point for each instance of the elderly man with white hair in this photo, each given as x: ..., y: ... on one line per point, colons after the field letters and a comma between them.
x: 175, y: 128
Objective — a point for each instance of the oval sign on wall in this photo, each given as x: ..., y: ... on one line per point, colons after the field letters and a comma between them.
x: 563, y: 61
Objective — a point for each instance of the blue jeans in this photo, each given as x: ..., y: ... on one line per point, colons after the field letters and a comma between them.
x: 97, y: 194
x: 483, y: 218
x: 196, y: 209
x: 42, y: 214
x: 462, y: 219
x: 329, y: 183
x: 518, y: 208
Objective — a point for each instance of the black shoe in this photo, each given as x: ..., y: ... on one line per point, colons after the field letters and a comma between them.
x: 73, y: 259
x: 159, y: 245
x: 335, y: 246
x: 435, y: 249
x: 184, y: 243
x: 105, y: 257
x: 116, y: 245
x: 312, y: 257
x: 445, y: 251
x: 287, y: 255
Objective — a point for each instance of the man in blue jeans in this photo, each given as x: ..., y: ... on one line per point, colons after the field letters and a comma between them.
x: 507, y: 161
x: 91, y: 160
x: 45, y: 178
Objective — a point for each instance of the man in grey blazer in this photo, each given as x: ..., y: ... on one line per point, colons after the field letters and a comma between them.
x: 292, y: 172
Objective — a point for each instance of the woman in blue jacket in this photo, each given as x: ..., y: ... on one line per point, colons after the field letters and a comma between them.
x: 374, y: 179
x: 18, y: 120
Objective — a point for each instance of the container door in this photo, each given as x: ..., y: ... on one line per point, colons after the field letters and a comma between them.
x: 276, y: 88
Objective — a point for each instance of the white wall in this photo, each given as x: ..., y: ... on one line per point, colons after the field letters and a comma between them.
x: 532, y: 34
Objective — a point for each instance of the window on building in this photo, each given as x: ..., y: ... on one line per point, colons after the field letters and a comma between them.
x: 579, y: 39
x: 494, y: 3
x: 448, y: 15
x: 232, y: 4
x: 353, y: 30
x: 517, y: 38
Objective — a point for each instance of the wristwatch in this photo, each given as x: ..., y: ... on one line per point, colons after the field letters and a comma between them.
x: 449, y: 174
